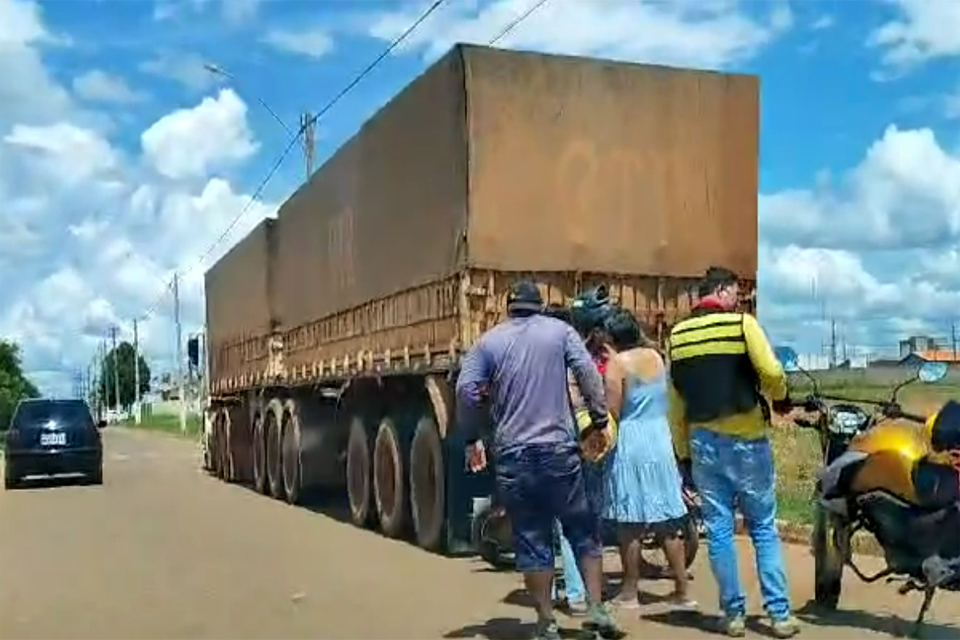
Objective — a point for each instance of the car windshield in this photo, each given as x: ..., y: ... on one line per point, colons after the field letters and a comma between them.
x: 65, y: 412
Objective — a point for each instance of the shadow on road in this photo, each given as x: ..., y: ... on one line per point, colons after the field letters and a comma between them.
x: 510, y: 629
x: 684, y: 620
x: 891, y: 625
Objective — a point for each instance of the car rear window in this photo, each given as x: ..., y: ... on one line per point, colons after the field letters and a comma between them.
x: 67, y: 413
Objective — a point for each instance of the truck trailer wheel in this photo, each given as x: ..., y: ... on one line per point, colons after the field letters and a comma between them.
x: 359, y: 491
x: 259, y: 454
x: 427, y: 484
x: 227, y: 471
x: 272, y: 422
x: 389, y: 480
x: 290, y: 452
x: 220, y: 444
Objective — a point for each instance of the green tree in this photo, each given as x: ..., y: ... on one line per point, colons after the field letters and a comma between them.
x: 14, y: 385
x: 125, y: 358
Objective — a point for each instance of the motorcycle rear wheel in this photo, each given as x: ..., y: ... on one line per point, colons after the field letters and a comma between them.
x: 828, y: 561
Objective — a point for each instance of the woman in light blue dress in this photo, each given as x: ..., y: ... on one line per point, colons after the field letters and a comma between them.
x: 644, y: 485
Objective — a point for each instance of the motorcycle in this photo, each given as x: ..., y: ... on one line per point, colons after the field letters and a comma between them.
x: 492, y: 535
x: 882, y: 475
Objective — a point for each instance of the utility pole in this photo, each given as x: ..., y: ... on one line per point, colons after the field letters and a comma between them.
x: 953, y: 339
x: 176, y: 316
x: 307, y: 123
x: 116, y: 369
x: 204, y: 369
x: 833, y: 343
x: 136, y: 372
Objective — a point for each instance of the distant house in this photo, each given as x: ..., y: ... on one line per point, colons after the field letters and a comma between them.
x: 939, y: 355
x: 916, y: 344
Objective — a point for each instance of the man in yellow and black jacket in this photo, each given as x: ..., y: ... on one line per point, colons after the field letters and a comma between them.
x: 721, y: 367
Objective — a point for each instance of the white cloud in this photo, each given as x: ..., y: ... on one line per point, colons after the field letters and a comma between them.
x: 184, y: 68
x: 28, y: 93
x: 823, y: 22
x: 311, y: 42
x: 951, y: 105
x: 66, y: 152
x: 875, y: 249
x: 191, y: 142
x: 233, y: 11
x: 99, y: 86
x: 904, y: 193
x: 923, y: 30
x: 237, y: 11
x: 680, y: 32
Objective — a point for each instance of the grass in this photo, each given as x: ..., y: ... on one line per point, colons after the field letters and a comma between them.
x: 167, y: 424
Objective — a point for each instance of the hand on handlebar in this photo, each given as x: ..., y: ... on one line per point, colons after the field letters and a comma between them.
x: 784, y: 406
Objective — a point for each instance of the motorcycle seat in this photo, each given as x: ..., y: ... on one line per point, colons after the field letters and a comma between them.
x: 937, y: 485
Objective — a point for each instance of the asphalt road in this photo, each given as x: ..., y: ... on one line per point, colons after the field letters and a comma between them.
x: 163, y: 551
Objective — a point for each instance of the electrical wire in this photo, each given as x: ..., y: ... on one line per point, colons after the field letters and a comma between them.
x: 343, y: 92
x: 296, y: 138
x: 513, y: 25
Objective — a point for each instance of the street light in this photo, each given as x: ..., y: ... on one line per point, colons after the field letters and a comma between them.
x: 307, y: 121
x: 217, y: 70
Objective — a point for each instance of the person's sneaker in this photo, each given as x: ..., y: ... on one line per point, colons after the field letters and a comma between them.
x: 785, y: 628
x: 601, y: 622
x: 733, y: 626
x: 547, y: 630
x: 577, y: 609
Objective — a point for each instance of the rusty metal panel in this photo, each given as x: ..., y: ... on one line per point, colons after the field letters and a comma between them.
x: 239, y: 301
x: 387, y: 211
x: 610, y: 167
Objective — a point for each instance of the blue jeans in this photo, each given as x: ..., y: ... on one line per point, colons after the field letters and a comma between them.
x: 539, y: 485
x: 731, y: 471
x: 572, y: 580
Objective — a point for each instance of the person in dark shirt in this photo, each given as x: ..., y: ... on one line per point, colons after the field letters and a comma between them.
x: 519, y: 368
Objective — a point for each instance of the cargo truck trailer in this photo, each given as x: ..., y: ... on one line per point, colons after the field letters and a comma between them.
x: 336, y: 329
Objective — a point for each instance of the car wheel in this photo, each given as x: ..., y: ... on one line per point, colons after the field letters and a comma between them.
x: 96, y: 478
x: 10, y: 478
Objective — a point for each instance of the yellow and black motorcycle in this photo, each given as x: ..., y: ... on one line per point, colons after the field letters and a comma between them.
x: 895, y: 475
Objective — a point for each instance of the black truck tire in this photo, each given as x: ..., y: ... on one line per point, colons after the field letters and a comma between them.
x: 290, y: 452
x: 259, y: 454
x: 227, y: 471
x: 827, y: 561
x: 428, y: 484
x: 272, y: 422
x: 390, y: 480
x: 359, y: 474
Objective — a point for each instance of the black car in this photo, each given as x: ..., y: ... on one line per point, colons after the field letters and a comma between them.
x: 52, y: 437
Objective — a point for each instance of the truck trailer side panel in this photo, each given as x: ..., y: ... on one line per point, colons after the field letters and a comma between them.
x: 240, y: 307
x: 575, y: 170
x: 610, y: 167
x: 387, y: 211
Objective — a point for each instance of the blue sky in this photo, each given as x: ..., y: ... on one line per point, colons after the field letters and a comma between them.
x: 122, y: 159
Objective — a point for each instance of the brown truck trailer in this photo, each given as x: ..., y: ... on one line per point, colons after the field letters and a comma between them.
x: 335, y: 330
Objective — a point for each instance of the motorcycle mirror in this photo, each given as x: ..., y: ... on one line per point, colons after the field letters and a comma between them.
x: 788, y: 359
x: 790, y: 362
x: 931, y: 372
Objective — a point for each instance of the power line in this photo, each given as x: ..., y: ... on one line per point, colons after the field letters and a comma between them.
x: 513, y: 25
x: 296, y: 137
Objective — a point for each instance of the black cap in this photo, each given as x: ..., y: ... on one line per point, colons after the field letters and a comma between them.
x: 524, y: 296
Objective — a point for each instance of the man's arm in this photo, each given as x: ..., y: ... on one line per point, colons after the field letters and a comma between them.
x: 676, y: 415
x: 472, y: 385
x: 773, y: 381
x: 588, y: 378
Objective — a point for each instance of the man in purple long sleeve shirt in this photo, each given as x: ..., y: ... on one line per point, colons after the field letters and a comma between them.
x: 518, y: 371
